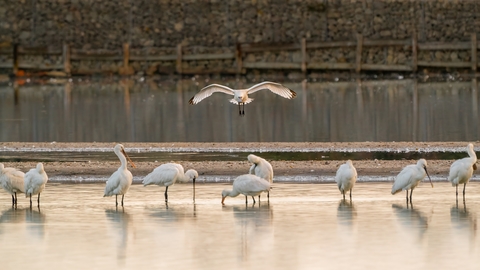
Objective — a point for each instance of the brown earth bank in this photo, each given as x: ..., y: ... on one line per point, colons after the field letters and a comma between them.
x: 286, y: 168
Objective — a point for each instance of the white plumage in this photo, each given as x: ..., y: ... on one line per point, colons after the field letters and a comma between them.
x: 12, y: 181
x: 240, y: 96
x: 346, y: 177
x: 169, y: 173
x: 121, y: 180
x: 410, y: 176
x: 462, y: 170
x: 261, y: 168
x: 35, y: 181
x: 248, y: 185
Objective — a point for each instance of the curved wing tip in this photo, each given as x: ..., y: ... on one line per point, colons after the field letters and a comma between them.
x: 294, y: 94
x: 191, y: 101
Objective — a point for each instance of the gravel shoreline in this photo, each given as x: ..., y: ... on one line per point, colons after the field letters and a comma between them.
x: 212, y: 168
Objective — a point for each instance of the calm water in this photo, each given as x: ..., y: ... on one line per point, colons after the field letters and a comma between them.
x: 305, y: 226
x: 158, y: 111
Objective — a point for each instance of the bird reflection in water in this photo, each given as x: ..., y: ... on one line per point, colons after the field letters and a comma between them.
x: 346, y: 213
x: 122, y: 224
x: 464, y: 221
x: 412, y: 219
x: 253, y: 225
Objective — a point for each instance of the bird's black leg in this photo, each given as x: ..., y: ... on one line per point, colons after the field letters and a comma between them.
x: 193, y: 190
x: 411, y: 192
x: 343, y: 193
x: 268, y: 196
x: 253, y: 198
x: 456, y: 190
x: 243, y: 109
x: 407, y: 196
x: 38, y: 199
x: 464, y: 186
x: 258, y: 198
x: 116, y: 201
x: 30, y: 200
x: 246, y: 199
x: 239, y: 109
x: 123, y: 195
x: 16, y: 198
x: 166, y: 195
x: 13, y: 201
x: 350, y: 194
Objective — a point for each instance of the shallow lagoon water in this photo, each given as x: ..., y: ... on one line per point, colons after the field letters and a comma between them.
x: 305, y: 226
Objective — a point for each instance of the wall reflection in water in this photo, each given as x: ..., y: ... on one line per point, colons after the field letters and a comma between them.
x: 152, y: 111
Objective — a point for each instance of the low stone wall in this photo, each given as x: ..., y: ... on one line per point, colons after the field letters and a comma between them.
x: 216, y: 26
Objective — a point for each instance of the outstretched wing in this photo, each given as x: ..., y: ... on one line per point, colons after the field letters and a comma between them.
x: 274, y: 88
x: 208, y: 91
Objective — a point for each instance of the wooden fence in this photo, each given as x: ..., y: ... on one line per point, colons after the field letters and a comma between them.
x: 241, y: 66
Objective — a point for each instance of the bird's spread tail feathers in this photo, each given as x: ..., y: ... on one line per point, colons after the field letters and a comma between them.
x: 246, y: 101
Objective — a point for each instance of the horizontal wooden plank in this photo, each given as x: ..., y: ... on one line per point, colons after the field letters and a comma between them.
x: 171, y: 57
x: 405, y: 42
x: 330, y: 66
x: 97, y: 57
x: 444, y: 64
x: 444, y: 46
x: 271, y: 65
x: 386, y: 67
x: 29, y: 65
x: 210, y: 56
x: 201, y: 71
x: 39, y: 50
x: 269, y: 47
x: 331, y: 44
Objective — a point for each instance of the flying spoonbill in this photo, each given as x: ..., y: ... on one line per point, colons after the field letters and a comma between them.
x: 462, y: 170
x: 12, y: 180
x: 120, y: 181
x: 261, y: 168
x: 35, y: 181
x: 240, y: 96
x: 169, y: 173
x: 346, y: 177
x: 409, y: 178
x: 248, y: 185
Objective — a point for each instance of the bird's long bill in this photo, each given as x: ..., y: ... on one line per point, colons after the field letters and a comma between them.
x: 429, y: 177
x: 128, y: 158
x: 223, y: 199
x: 193, y: 190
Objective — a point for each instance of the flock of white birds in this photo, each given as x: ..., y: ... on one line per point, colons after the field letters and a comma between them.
x: 258, y: 180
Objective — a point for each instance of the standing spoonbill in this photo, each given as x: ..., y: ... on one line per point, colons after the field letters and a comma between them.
x: 169, y: 173
x: 35, y: 181
x: 346, y: 177
x: 12, y: 180
x: 462, y: 170
x: 409, y: 178
x: 262, y: 169
x: 248, y: 185
x: 120, y: 181
x: 240, y: 96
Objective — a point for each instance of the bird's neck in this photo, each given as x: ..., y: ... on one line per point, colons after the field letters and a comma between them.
x: 123, y: 160
x: 472, y: 155
x: 233, y: 193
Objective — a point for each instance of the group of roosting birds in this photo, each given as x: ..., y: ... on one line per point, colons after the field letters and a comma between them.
x: 257, y: 181
x: 260, y: 175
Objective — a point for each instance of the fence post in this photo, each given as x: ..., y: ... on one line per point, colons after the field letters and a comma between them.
x: 414, y: 51
x: 474, y: 51
x: 179, y: 59
x: 358, y: 64
x: 238, y: 58
x: 66, y: 59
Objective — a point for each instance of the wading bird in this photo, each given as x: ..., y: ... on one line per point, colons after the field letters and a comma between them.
x: 240, y: 96
x: 169, y: 173
x: 12, y: 180
x: 120, y: 181
x: 462, y: 170
x: 346, y: 177
x: 262, y: 169
x: 35, y: 181
x: 409, y: 178
x: 248, y: 185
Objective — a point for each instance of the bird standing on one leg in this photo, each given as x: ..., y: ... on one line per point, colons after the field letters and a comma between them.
x: 462, y: 170
x: 120, y: 181
x: 346, y: 177
x: 409, y: 178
